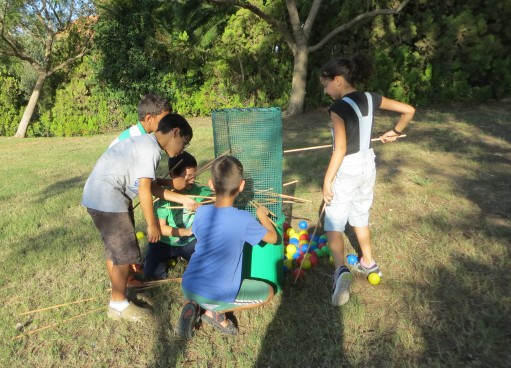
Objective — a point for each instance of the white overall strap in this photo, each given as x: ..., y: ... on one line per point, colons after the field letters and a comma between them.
x: 369, y: 104
x: 353, y: 106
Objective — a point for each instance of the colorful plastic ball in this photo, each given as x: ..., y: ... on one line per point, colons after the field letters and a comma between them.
x: 304, y: 237
x: 172, y: 262
x: 306, y: 264
x: 331, y: 259
x: 326, y: 250
x: 352, y: 259
x: 373, y: 278
x: 294, y: 241
x: 288, y: 256
x: 306, y: 255
x: 303, y: 241
x: 301, y: 232
x: 291, y: 249
x: 318, y: 252
x: 298, y: 274
x: 323, y: 237
x: 313, y: 247
x: 303, y: 224
x: 313, y: 259
x: 315, y: 238
x: 285, y: 226
x: 296, y: 255
x: 288, y: 263
x: 304, y: 247
x: 140, y: 235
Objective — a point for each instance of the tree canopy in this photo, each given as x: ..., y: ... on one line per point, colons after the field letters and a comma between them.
x: 205, y: 55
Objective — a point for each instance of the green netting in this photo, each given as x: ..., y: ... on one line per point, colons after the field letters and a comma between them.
x: 254, y: 136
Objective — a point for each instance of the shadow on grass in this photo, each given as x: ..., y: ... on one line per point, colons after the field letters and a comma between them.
x: 59, y: 187
x: 306, y: 331
x: 472, y: 320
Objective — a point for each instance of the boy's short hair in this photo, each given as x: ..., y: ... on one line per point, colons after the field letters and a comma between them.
x: 152, y: 104
x: 179, y: 163
x: 227, y: 174
x: 172, y: 121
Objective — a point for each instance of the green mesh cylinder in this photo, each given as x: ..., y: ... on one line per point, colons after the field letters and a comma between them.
x: 254, y: 136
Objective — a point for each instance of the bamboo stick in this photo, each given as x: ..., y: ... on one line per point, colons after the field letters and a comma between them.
x: 328, y: 145
x: 56, y: 306
x: 289, y: 183
x: 58, y: 323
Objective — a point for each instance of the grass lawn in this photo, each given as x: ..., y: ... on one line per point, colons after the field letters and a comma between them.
x: 441, y: 230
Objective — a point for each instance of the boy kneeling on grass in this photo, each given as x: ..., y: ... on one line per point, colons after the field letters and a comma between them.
x: 176, y: 223
x: 212, y: 279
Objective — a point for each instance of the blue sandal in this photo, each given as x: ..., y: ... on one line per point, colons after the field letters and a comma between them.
x: 216, y: 322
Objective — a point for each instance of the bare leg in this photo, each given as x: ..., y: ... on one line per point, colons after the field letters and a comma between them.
x: 336, y: 245
x: 364, y: 239
x: 119, y: 279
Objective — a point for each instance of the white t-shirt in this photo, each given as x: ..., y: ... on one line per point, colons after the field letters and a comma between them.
x: 114, y: 180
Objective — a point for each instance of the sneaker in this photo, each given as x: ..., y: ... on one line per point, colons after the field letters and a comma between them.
x: 367, y: 271
x: 131, y: 313
x: 140, y: 299
x: 185, y: 327
x: 341, y: 286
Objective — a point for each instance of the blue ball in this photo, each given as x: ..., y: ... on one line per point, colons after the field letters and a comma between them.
x: 302, y: 225
x: 315, y: 238
x: 294, y: 241
x: 304, y: 247
x: 296, y: 255
x: 352, y: 259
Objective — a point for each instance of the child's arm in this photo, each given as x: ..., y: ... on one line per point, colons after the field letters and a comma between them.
x: 406, y: 111
x: 337, y: 156
x: 173, y: 231
x: 168, y: 195
x: 146, y: 203
x: 271, y: 235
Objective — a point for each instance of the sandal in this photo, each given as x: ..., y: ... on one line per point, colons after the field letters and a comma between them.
x: 186, y: 323
x: 216, y: 322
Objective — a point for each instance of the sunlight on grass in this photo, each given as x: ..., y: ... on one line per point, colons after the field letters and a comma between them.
x: 441, y: 233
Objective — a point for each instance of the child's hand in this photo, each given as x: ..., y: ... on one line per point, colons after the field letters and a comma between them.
x: 262, y: 211
x: 328, y: 195
x: 190, y: 204
x: 153, y: 233
x: 187, y: 232
x: 389, y: 136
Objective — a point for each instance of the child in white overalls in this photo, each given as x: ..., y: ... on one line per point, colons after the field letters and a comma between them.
x: 350, y: 177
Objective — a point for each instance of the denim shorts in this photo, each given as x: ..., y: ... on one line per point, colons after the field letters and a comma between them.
x: 118, y: 234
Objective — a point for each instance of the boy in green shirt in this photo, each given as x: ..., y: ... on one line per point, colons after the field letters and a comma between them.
x: 177, y: 239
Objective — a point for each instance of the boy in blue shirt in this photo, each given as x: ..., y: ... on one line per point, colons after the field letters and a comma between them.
x: 177, y: 239
x: 213, y: 276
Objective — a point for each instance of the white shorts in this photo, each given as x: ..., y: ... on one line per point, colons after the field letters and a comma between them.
x: 353, y: 192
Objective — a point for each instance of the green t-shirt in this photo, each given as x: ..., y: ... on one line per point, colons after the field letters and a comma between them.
x: 179, y: 217
x: 133, y: 131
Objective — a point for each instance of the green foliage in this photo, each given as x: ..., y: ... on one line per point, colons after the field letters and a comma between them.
x: 83, y: 108
x: 10, y: 101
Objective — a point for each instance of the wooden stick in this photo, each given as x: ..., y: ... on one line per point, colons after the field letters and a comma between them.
x: 329, y: 145
x: 308, y: 245
x: 377, y: 139
x: 289, y: 183
x: 259, y: 204
x: 56, y: 306
x: 256, y: 205
x: 58, y: 323
x: 307, y: 148
x: 289, y: 197
x: 209, y: 164
x: 198, y: 196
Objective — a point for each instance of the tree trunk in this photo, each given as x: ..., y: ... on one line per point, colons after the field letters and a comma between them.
x: 29, y: 110
x: 297, y: 98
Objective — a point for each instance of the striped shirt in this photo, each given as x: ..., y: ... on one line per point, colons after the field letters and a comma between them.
x: 132, y: 131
